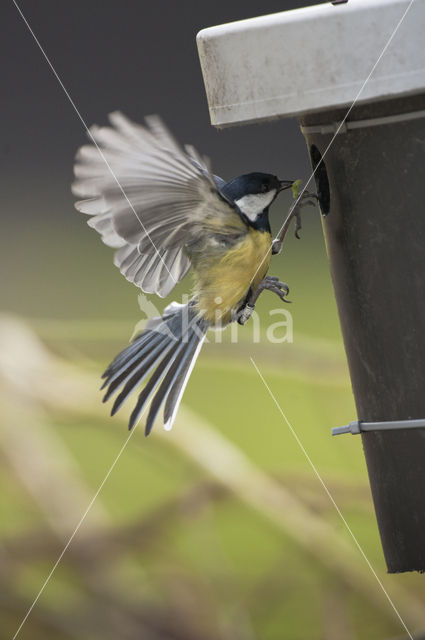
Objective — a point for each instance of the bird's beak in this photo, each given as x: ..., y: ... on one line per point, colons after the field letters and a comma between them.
x: 285, y: 184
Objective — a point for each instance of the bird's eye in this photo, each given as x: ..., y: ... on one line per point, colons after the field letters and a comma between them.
x: 264, y: 188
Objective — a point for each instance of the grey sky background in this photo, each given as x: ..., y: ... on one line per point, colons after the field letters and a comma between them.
x: 136, y: 56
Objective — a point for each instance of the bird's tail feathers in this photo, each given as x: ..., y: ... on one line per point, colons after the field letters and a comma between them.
x: 167, y: 349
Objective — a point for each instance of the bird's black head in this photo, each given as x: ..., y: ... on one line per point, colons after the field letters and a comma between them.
x: 253, y: 193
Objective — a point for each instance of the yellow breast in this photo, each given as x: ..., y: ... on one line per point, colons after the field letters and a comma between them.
x: 223, y: 282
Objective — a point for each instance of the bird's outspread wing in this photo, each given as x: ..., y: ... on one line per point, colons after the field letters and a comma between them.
x: 150, y: 199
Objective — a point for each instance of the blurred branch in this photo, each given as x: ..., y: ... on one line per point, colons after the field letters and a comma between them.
x: 44, y: 621
x: 354, y: 493
x: 335, y: 616
x: 229, y: 465
x: 110, y: 542
x: 96, y: 622
x: 49, y: 474
x: 37, y: 456
x: 29, y: 367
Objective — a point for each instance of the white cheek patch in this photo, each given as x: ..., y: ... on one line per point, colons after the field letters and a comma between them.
x: 254, y: 203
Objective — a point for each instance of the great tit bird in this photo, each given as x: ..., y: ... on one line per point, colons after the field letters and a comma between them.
x: 161, y: 208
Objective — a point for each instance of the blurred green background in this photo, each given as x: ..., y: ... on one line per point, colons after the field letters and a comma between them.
x: 220, y: 529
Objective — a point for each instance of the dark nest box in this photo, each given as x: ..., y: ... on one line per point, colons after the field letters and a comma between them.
x: 314, y: 63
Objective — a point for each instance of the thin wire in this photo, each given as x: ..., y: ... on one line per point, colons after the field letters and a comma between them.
x: 90, y: 135
x: 338, y: 510
x: 340, y: 125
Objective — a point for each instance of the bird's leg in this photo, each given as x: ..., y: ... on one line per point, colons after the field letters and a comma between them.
x: 305, y: 199
x: 270, y: 283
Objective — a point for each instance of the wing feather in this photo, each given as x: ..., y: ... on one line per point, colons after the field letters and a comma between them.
x: 150, y: 199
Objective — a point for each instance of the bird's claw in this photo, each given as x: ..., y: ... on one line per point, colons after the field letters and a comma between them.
x: 269, y: 283
x: 280, y: 291
x: 304, y: 199
x: 307, y: 199
x: 273, y: 284
x: 298, y: 225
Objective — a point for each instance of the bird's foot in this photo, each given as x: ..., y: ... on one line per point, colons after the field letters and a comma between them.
x: 273, y: 284
x: 306, y: 199
x: 298, y: 225
x: 270, y: 283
